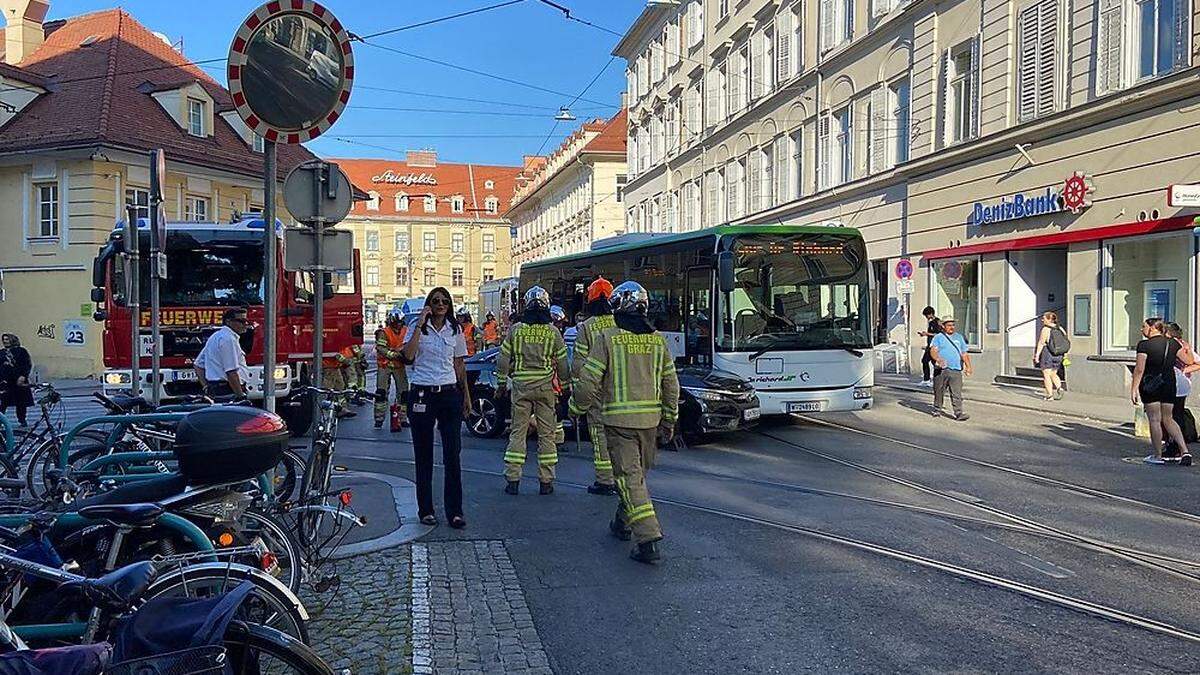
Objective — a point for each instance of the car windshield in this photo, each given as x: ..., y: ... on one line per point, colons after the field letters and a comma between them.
x: 799, y: 291
x: 203, y: 269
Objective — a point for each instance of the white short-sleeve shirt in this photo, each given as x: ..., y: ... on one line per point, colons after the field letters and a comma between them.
x: 436, y: 351
x: 221, y: 354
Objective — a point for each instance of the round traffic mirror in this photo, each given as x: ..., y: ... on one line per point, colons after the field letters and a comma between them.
x: 290, y: 71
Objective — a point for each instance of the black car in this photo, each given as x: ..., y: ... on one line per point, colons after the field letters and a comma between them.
x: 710, y: 400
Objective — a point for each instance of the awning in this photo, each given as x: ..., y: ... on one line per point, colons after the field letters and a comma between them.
x: 1069, y: 237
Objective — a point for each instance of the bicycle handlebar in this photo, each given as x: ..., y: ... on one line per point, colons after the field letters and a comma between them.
x: 337, y: 393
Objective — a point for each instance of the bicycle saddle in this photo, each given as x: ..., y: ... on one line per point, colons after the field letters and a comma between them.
x: 123, y: 514
x: 118, y: 589
x: 137, y: 492
x: 123, y: 403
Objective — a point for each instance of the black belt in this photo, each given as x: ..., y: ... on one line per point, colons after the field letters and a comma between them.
x: 435, y: 388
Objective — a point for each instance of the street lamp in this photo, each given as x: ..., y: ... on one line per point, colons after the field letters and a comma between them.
x: 564, y: 115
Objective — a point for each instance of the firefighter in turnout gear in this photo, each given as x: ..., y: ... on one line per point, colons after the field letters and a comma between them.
x: 389, y: 342
x: 531, y: 355
x: 630, y: 374
x: 353, y: 362
x: 599, y: 320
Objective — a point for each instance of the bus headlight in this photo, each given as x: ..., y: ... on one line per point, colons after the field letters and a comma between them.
x: 117, y: 379
x: 861, y: 393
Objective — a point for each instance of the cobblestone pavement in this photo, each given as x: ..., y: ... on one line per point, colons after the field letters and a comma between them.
x: 365, y: 629
x: 469, y: 613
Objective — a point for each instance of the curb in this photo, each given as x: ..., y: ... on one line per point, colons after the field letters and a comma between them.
x: 404, y: 494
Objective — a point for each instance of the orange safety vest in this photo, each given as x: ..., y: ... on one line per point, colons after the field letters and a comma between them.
x: 489, y: 332
x: 469, y: 336
x: 394, y: 342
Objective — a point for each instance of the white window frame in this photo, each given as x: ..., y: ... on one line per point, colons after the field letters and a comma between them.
x: 197, y: 110
x: 47, y: 197
x: 430, y: 203
x: 372, y: 241
x: 901, y: 120
x: 1182, y: 10
x: 373, y: 275
x: 457, y: 204
x: 492, y: 205
x: 457, y: 277
x: 430, y: 277
x: 403, y: 275
x: 960, y: 95
x: 489, y: 242
x: 372, y: 201
x: 407, y: 242
x: 401, y: 202
x: 843, y: 144
x: 428, y: 242
x: 836, y: 23
x: 1038, y: 59
x: 456, y: 242
x: 139, y: 198
x: 195, y: 208
x: 722, y: 9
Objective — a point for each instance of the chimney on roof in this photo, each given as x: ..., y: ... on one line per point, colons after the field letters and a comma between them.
x: 23, y: 32
x: 425, y: 159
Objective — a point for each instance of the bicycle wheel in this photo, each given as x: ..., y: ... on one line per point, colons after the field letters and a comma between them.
x: 88, y: 446
x: 270, y: 603
x: 313, y: 489
x: 288, y: 474
x: 254, y: 649
x: 287, y: 564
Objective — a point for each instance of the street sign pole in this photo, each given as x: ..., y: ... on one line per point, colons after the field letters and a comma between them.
x: 318, y: 225
x: 134, y: 301
x: 157, y: 265
x: 270, y: 269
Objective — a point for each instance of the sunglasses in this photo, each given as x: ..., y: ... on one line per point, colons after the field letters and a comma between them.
x: 439, y: 301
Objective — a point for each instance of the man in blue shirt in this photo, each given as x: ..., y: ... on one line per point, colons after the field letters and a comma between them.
x: 949, y: 352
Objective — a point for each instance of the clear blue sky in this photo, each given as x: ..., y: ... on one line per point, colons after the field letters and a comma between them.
x: 529, y: 42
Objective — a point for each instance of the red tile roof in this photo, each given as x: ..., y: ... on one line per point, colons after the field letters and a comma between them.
x: 614, y: 135
x: 468, y: 180
x: 99, y: 95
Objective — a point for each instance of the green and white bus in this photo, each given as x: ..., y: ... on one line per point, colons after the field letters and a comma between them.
x: 785, y: 307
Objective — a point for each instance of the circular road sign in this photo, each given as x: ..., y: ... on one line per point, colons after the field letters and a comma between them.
x: 290, y: 70
x: 904, y: 268
x: 300, y: 193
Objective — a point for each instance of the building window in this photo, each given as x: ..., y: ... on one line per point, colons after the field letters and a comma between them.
x: 836, y: 147
x: 955, y: 293
x: 196, y: 117
x: 1146, y: 277
x: 898, y: 95
x: 1161, y: 35
x: 737, y: 81
x: 195, y: 208
x: 260, y: 143
x: 456, y: 277
x: 139, y: 200
x: 373, y: 241
x: 722, y: 8
x: 735, y: 188
x: 401, y: 276
x: 489, y: 242
x: 489, y: 274
x: 372, y: 201
x: 402, y: 242
x: 429, y: 242
x: 457, y: 204
x: 373, y: 276
x: 492, y: 205
x: 1037, y: 66
x: 961, y: 92
x: 717, y: 83
x: 430, y: 204
x: 622, y: 180
x: 47, y: 200
x: 402, y: 202
x: 837, y: 23
x: 430, y: 277
x: 456, y: 242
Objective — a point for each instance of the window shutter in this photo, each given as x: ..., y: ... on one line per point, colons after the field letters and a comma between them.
x: 825, y: 148
x: 827, y: 23
x: 783, y: 46
x: 947, y: 110
x: 879, y: 129
x: 757, y: 57
x: 1027, y: 66
x: 1109, y: 57
x: 753, y: 180
x: 765, y: 177
x: 713, y: 98
x: 1047, y: 86
x: 1181, y: 38
x: 781, y: 170
x: 710, y: 207
x: 975, y: 76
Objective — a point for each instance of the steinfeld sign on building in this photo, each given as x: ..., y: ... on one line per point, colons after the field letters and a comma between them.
x: 394, y: 178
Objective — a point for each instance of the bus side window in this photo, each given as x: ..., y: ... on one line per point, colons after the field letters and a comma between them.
x: 699, y: 314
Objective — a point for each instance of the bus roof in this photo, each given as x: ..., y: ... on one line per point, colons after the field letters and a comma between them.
x: 660, y: 240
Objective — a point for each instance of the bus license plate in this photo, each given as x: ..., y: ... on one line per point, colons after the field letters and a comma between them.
x: 751, y: 414
x: 804, y: 406
x: 184, y: 376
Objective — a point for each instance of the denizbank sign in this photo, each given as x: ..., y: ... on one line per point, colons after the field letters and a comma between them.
x: 1071, y: 196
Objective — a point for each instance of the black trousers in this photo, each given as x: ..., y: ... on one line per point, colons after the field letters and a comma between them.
x: 926, y: 363
x: 443, y: 409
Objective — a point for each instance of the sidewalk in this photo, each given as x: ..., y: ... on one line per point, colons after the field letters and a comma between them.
x: 1084, y: 406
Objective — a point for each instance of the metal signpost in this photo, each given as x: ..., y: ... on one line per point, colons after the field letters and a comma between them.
x: 904, y: 286
x: 158, y: 266
x: 283, y: 104
x: 133, y: 296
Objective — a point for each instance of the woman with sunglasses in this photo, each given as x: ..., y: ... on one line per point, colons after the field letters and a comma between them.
x: 438, y: 395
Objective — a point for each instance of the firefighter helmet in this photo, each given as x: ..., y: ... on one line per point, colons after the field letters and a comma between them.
x: 600, y: 289
x: 537, y: 297
x: 629, y: 297
x: 557, y: 313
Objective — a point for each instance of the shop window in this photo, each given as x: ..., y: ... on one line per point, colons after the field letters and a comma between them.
x: 1081, y: 316
x: 993, y: 314
x: 1146, y: 277
x: 955, y: 291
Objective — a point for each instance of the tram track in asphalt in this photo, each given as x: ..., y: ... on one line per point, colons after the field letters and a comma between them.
x: 1030, y: 591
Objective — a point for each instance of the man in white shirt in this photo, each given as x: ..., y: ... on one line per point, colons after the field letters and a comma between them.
x: 221, y: 365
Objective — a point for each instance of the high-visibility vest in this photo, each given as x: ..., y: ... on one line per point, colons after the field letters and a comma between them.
x: 489, y: 332
x: 469, y: 335
x: 393, y: 340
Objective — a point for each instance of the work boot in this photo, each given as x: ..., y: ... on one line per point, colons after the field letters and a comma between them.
x: 646, y: 552
x: 599, y: 488
x: 546, y: 489
x: 619, y: 530
x: 378, y: 424
x: 513, y: 487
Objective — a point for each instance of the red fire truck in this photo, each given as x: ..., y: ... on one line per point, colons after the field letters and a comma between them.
x: 211, y: 267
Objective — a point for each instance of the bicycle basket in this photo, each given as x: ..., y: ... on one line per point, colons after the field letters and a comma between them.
x: 196, y: 661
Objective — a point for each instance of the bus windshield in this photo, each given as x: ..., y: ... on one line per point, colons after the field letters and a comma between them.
x: 796, y: 292
x: 203, y: 269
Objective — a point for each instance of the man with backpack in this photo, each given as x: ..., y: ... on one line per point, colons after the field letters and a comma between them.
x: 1052, y: 346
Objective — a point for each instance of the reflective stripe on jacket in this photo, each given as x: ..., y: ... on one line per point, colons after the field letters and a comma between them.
x: 531, y: 355
x: 631, y: 378
x: 588, y: 334
x: 388, y: 344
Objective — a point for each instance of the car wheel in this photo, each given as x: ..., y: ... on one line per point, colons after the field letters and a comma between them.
x: 485, y: 420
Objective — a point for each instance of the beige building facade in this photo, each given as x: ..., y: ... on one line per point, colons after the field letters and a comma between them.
x: 427, y: 224
x: 572, y: 198
x: 1018, y: 153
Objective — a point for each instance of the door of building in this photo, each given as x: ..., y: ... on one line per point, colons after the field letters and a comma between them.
x: 1036, y: 283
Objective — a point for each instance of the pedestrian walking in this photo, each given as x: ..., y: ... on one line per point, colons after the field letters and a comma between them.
x: 1183, y: 388
x: 1153, y: 386
x: 531, y: 356
x: 438, y: 396
x: 15, y: 368
x: 933, y: 328
x: 1052, y: 347
x: 390, y: 369
x: 599, y: 320
x: 630, y: 374
x: 221, y: 364
x: 948, y: 350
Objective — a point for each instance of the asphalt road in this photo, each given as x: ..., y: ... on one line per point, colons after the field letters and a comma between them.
x: 749, y: 585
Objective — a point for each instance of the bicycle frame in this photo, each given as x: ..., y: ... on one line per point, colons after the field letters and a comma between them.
x: 6, y: 428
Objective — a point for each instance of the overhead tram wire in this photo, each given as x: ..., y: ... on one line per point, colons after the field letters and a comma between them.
x: 430, y: 22
x: 576, y: 100
x: 467, y: 99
